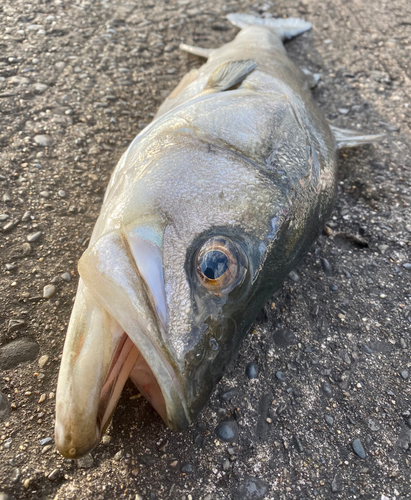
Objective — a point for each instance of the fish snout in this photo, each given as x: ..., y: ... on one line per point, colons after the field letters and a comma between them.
x: 116, y: 331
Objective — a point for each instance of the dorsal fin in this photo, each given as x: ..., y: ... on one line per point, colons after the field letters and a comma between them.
x: 228, y: 75
x: 197, y: 51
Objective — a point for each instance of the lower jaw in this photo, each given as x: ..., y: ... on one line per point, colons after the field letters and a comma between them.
x: 128, y: 362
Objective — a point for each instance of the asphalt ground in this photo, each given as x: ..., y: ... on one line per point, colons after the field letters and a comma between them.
x: 332, y: 347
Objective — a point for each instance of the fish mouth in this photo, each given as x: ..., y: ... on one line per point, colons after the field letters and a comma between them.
x: 128, y: 363
x: 116, y: 332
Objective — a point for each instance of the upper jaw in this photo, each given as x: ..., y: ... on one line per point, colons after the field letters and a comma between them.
x: 113, y: 298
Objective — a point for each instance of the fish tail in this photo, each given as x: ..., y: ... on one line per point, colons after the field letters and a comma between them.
x: 285, y: 28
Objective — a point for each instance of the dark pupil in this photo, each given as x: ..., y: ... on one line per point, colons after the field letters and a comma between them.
x: 214, y: 264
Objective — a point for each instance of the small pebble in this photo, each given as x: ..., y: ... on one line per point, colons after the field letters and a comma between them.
x: 251, y: 488
x: 26, y: 217
x: 26, y: 249
x: 15, y: 324
x: 284, y: 338
x: 106, y: 439
x: 49, y: 291
x: 327, y: 389
x: 333, y: 288
x: 227, y: 430
x: 19, y: 80
x: 16, y: 352
x: 404, y: 374
x: 7, y: 443
x: 281, y: 376
x: 31, y: 238
x: 45, y: 194
x: 251, y: 370
x: 8, y: 227
x: 336, y: 485
x: 383, y: 248
x: 43, y: 140
x: 294, y: 276
x: 40, y: 87
x: 358, y: 448
x: 226, y: 465
x: 373, y: 425
x: 14, y: 476
x: 329, y: 419
x: 60, y: 65
x: 62, y: 193
x: 187, y: 468
x: 298, y: 444
x: 66, y: 277
x: 326, y: 267
x: 43, y: 360
x: 228, y: 395
x: 5, y: 408
x: 389, y: 127
x: 54, y: 475
x: 346, y: 274
x: 407, y: 266
x: 367, y: 349
x: 45, y: 441
x: 86, y: 462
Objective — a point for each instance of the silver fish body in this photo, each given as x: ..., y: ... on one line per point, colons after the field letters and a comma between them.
x: 206, y: 213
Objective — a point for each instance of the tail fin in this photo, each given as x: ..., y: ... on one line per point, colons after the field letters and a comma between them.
x: 285, y: 28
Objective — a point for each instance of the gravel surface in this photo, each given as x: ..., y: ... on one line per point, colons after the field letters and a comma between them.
x: 326, y: 412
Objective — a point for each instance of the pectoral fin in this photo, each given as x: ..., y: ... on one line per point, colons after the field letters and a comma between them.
x: 351, y: 138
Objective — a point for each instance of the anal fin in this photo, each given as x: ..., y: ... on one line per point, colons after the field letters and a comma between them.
x: 351, y: 138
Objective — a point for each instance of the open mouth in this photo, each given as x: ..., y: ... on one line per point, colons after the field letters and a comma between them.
x: 128, y: 362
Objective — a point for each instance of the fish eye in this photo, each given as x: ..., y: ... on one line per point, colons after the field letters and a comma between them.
x: 220, y: 265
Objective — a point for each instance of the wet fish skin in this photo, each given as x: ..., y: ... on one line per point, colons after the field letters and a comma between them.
x: 240, y: 161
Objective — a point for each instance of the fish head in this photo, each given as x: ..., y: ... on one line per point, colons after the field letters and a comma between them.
x: 171, y: 282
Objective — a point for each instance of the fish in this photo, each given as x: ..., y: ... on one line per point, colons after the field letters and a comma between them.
x: 206, y: 213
